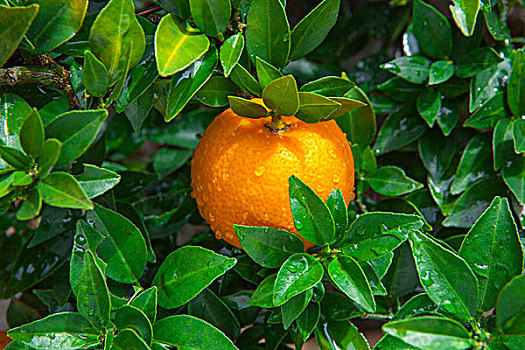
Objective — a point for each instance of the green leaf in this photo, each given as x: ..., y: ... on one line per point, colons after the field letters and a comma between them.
x: 266, y: 73
x: 176, y: 48
x: 32, y: 134
x: 130, y: 317
x: 347, y: 105
x: 311, y: 31
x: 446, y: 277
x: 62, y: 190
x: 247, y: 108
x: 492, y: 249
x: 432, y: 30
x: 428, y: 105
x: 337, y: 206
x: 128, y: 339
x: 56, y: 22
x: 97, y: 181
x: 401, y: 90
x: 440, y: 72
x: 514, y: 177
x: 93, y: 295
x: 299, y: 273
x: 168, y: 160
x: 430, y: 333
x: 117, y: 38
x: 179, y: 7
x: 509, y: 309
x: 306, y: 322
x: 413, y: 69
x: 268, y: 32
x: 340, y: 335
x: 349, y: 278
x: 48, y: 157
x: 516, y: 84
x: 399, y: 129
x: 15, y: 158
x: 216, y: 91
x: 242, y: 78
x: 14, y: 23
x: 518, y: 134
x: 31, y: 205
x: 359, y: 124
x: 294, y: 307
x: 212, y: 16
x: 184, y: 85
x: 188, y: 332
x: 312, y: 217
x: 465, y: 14
x: 487, y: 116
x: 338, y: 307
x: 282, y: 96
x: 76, y: 130
x: 186, y: 272
x: 502, y: 143
x: 328, y: 86
x: 138, y: 83
x: 263, y: 295
x: 147, y: 302
x: 138, y: 110
x: 392, y: 181
x: 373, y: 235
x: 231, y: 51
x: 475, y: 163
x: 487, y: 84
x: 269, y: 247
x: 476, y: 61
x: 123, y: 248
x: 437, y: 153
x: 392, y: 343
x: 373, y: 279
x: 313, y: 107
x: 497, y: 29
x: 61, y: 331
x: 13, y: 109
x: 94, y: 75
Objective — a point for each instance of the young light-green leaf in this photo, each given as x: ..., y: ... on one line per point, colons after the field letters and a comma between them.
x: 392, y: 181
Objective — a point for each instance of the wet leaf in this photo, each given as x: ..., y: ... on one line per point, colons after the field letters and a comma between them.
x: 413, y: 69
x: 518, y: 134
x: 465, y: 13
x: 509, y: 309
x: 231, y: 51
x: 514, y: 177
x: 62, y: 190
x: 516, y: 84
x: 429, y: 105
x: 96, y: 181
x: 130, y: 317
x: 432, y: 30
x: 392, y: 181
x: 440, y: 72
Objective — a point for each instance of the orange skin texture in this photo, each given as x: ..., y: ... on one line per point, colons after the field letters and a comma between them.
x: 240, y: 171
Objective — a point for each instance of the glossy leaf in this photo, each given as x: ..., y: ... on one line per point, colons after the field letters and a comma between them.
x: 359, y: 124
x: 312, y: 30
x: 13, y: 109
x: 62, y: 190
x: 76, y: 130
x: 476, y: 61
x: 373, y: 235
x: 240, y: 76
x: 130, y: 317
x: 413, y: 69
x: 328, y: 86
x: 138, y: 83
x: 432, y: 30
x: 14, y: 23
x: 266, y: 73
x: 392, y: 181
x: 188, y: 332
x: 216, y: 91
x: 186, y: 272
x: 32, y: 134
x: 518, y: 134
x: 269, y: 247
x: 428, y: 105
x: 168, y: 160
x: 299, y: 273
x: 516, y: 84
x: 347, y: 105
x: 349, y: 278
x: 147, y: 302
x: 502, y: 143
x: 341, y: 335
x: 48, y: 157
x: 514, y: 177
x: 97, y: 181
x: 337, y: 205
x: 509, y: 309
x: 492, y: 249
x: 128, y: 339
x: 487, y: 83
x: 313, y: 107
x: 465, y: 14
x: 263, y: 295
x: 445, y: 276
x: 440, y: 72
x: 488, y: 115
x: 437, y: 153
x: 282, y: 96
x: 175, y: 47
x: 231, y: 51
x: 247, y: 108
x: 312, y: 217
x: 15, y: 158
x: 294, y: 307
x: 338, y: 307
x: 94, y: 75
x: 430, y: 333
x: 211, y: 16
x: 31, y: 205
x: 496, y: 28
x: 306, y: 322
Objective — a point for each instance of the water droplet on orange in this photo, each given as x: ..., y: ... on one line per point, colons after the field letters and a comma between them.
x: 336, y: 178
x: 260, y: 170
x: 332, y: 153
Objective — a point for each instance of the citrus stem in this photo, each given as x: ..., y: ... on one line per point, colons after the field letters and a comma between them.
x: 276, y: 124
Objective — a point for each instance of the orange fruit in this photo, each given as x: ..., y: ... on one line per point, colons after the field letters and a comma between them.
x: 240, y: 170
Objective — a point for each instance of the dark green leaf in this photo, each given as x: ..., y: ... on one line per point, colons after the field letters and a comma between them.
x: 373, y: 279
x: 502, y: 143
x: 465, y: 14
x: 231, y: 51
x: 440, y: 72
x: 349, y: 278
x: 389, y: 342
x: 436, y: 152
x: 313, y: 107
x: 14, y: 23
x: 476, y: 61
x: 299, y: 273
x: 269, y: 247
x: 445, y: 276
x: 179, y: 7
x: 268, y: 32
x: 139, y: 109
x: 487, y: 84
x: 516, y: 84
x: 15, y: 158
x: 429, y: 105
x: 347, y: 105
x: 401, y: 90
x: 76, y: 130
x: 263, y: 295
x: 130, y: 317
x: 240, y: 76
x: 247, y: 108
x: 392, y: 181
x: 413, y: 69
x: 518, y: 134
x: 176, y: 48
x: 282, y: 96
x: 61, y: 331
x: 487, y: 116
x: 497, y: 29
x: 128, y: 339
x: 311, y: 31
x: 373, y: 235
x: 306, y: 322
x: 167, y: 160
x: 492, y: 249
x: 13, y: 109
x: 94, y: 75
x: 509, y: 309
x: 430, y: 333
x: 216, y: 91
x: 294, y: 307
x: 338, y: 307
x: 212, y: 16
x: 340, y: 335
x: 31, y: 205
x: 186, y: 272
x: 337, y: 205
x: 139, y: 81
x: 48, y: 157
x: 62, y: 190
x: 188, y: 332
x: 514, y: 177
x: 266, y: 73
x: 117, y: 38
x: 96, y: 181
x: 312, y: 217
x: 359, y: 124
x: 432, y: 30
x: 147, y: 302
x: 328, y: 86
x: 32, y: 134
x: 184, y: 85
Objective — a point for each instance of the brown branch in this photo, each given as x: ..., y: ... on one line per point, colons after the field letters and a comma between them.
x: 149, y: 11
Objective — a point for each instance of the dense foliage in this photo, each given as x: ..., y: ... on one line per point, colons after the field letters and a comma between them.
x: 103, y: 102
